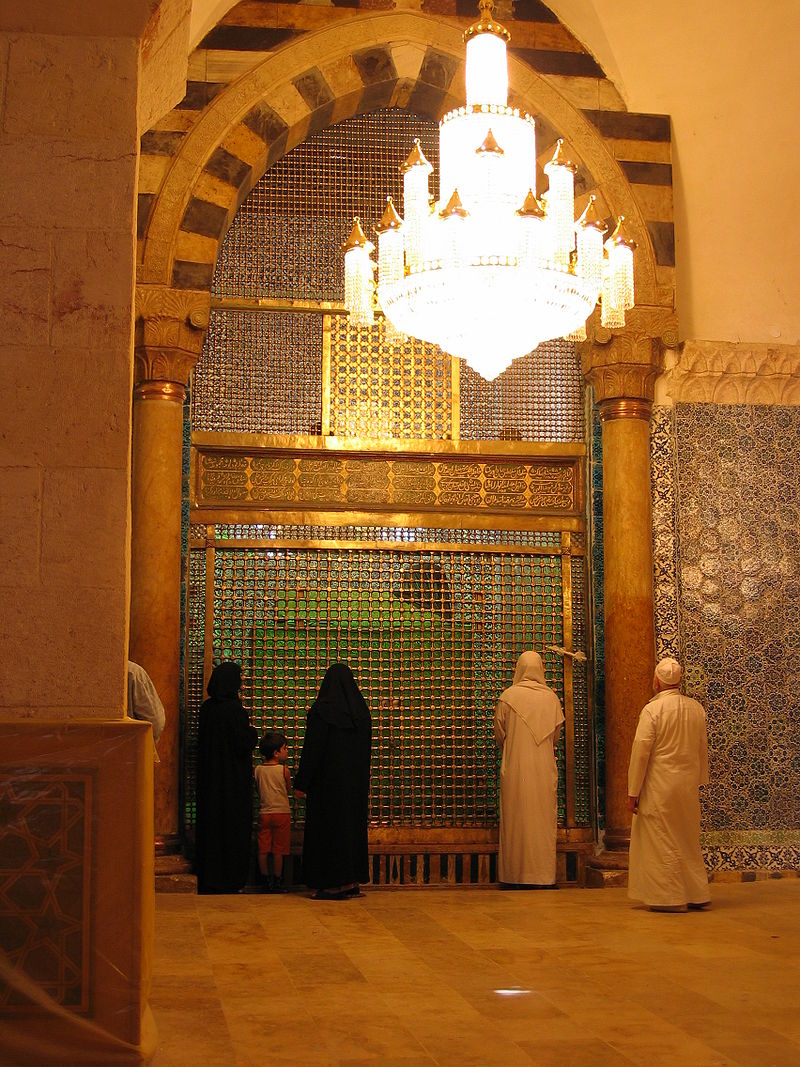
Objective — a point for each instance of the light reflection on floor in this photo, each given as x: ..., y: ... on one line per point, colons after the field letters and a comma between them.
x: 461, y: 977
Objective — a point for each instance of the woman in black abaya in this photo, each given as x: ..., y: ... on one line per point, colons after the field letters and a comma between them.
x: 334, y: 775
x: 225, y: 743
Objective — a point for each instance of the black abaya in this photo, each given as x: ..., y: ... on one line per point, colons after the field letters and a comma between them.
x: 225, y: 743
x: 334, y: 774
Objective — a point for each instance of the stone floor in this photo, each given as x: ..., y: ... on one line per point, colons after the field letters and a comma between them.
x: 480, y: 977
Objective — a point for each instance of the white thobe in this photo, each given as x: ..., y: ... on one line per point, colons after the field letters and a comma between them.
x: 669, y: 761
x: 143, y: 700
x: 528, y: 794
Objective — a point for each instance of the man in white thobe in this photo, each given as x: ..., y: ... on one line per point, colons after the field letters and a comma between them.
x: 527, y: 722
x: 669, y: 762
x: 144, y: 702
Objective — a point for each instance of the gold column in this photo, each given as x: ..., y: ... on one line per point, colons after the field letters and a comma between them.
x: 622, y: 367
x: 170, y: 329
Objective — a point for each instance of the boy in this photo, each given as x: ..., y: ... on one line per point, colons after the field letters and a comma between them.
x: 272, y: 779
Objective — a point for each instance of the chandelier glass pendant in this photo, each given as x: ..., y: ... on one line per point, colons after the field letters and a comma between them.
x: 489, y: 271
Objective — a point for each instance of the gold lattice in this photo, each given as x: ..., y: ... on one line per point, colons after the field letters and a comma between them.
x: 285, y: 612
x: 385, y: 390
x: 262, y: 371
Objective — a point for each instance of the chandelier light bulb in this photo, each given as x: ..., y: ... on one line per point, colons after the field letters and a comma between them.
x: 359, y: 271
x: 390, y: 245
x: 489, y: 242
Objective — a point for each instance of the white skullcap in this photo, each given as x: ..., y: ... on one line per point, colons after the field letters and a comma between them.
x: 669, y: 672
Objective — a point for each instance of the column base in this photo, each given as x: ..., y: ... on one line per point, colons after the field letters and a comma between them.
x: 607, y: 870
x: 174, y: 875
x: 168, y: 844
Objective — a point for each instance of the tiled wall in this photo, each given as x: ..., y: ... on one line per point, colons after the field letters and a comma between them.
x: 726, y: 521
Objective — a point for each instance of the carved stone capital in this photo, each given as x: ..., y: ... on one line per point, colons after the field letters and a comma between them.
x: 171, y: 327
x: 729, y: 372
x: 622, y: 365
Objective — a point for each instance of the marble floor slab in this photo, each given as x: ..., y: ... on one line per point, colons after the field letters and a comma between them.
x: 478, y: 978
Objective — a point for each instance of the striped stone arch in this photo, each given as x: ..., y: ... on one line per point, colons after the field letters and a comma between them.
x: 387, y: 59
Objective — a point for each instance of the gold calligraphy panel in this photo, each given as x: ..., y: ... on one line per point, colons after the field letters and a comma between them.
x: 505, y: 486
x: 451, y: 483
x: 460, y: 485
x: 414, y: 484
x: 367, y: 482
x: 225, y: 477
x: 321, y: 481
x: 272, y: 479
x: 551, y: 486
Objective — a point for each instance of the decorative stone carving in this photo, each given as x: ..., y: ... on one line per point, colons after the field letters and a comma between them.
x: 719, y: 372
x: 622, y: 365
x: 171, y: 326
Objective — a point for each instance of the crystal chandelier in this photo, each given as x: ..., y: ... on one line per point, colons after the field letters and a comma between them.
x: 489, y: 271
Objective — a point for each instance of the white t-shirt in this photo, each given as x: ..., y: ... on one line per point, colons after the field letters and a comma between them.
x: 271, y: 783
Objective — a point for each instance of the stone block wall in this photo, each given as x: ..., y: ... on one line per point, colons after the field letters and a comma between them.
x: 68, y: 159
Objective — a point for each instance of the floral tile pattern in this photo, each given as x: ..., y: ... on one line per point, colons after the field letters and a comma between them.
x: 730, y: 477
x: 665, y: 551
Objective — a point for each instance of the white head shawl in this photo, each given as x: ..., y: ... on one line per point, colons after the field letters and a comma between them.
x: 541, y: 716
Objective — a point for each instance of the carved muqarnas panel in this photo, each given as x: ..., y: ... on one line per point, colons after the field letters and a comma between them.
x: 45, y: 822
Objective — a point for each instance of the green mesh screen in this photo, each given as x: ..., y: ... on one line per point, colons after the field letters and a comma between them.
x: 193, y: 690
x: 432, y: 635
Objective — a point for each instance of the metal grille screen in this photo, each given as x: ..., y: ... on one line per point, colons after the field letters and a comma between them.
x: 387, y: 391
x: 286, y: 238
x: 539, y: 398
x: 431, y: 619
x: 262, y: 372
x: 432, y: 633
x: 259, y: 374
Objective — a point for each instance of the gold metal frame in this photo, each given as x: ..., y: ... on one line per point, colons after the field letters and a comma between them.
x: 402, y: 840
x: 326, y: 498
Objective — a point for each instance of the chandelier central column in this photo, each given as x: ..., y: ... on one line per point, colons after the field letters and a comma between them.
x: 490, y: 270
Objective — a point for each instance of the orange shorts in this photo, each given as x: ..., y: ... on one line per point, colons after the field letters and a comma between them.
x: 274, y: 833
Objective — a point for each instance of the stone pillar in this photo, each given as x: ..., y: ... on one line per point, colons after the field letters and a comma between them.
x: 622, y: 367
x: 170, y: 329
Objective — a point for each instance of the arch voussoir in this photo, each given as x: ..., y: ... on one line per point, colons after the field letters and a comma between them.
x: 387, y: 59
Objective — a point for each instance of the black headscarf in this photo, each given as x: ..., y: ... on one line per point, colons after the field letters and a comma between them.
x: 339, y: 701
x: 225, y: 680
